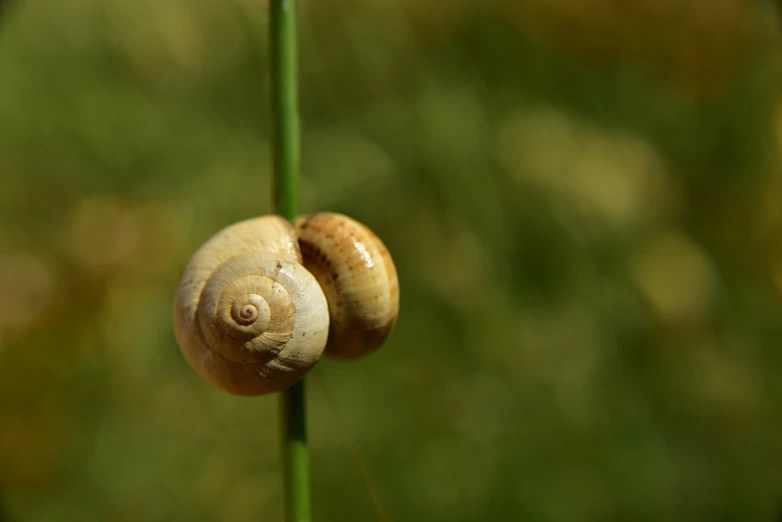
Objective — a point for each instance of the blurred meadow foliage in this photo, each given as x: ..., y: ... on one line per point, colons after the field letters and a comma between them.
x: 583, y: 199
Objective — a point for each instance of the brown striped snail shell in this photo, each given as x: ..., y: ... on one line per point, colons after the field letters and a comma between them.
x: 358, y: 276
x: 261, y: 300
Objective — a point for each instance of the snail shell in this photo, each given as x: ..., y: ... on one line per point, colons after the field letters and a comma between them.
x: 359, y: 278
x: 249, y: 317
x: 261, y: 300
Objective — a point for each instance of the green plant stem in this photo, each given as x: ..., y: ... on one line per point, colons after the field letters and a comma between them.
x: 285, y: 140
x: 295, y: 457
x: 285, y: 109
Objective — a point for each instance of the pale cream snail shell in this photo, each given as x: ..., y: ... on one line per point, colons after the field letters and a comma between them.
x: 251, y: 319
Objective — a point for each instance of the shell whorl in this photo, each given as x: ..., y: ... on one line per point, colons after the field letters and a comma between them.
x: 359, y: 278
x: 249, y: 317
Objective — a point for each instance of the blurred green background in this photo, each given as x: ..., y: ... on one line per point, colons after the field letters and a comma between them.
x: 583, y: 199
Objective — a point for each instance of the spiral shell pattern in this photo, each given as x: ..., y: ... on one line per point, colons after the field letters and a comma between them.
x: 249, y: 317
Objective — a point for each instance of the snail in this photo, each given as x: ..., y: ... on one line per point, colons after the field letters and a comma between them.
x: 263, y: 299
